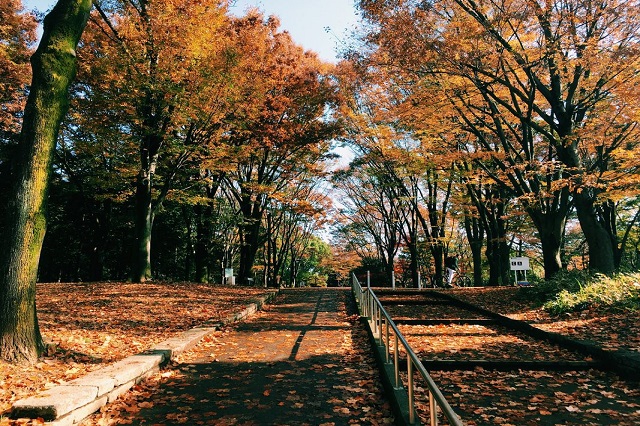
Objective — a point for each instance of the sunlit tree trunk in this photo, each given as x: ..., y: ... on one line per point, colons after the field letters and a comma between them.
x: 143, y: 228
x: 145, y: 207
x: 54, y: 67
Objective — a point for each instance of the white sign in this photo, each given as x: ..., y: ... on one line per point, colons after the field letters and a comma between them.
x: 519, y: 263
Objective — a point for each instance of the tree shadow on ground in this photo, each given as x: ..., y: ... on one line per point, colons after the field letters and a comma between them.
x: 305, y: 361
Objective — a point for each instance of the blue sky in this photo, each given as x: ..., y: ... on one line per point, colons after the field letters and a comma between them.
x: 305, y: 20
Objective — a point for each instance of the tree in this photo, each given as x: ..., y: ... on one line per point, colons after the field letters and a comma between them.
x: 373, y: 211
x: 415, y: 167
x: 574, y: 64
x: 54, y: 67
x: 158, y: 70
x: 293, y: 216
x: 544, y: 87
x: 17, y: 34
x: 280, y: 132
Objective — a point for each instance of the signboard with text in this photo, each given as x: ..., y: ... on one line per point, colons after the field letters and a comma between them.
x: 519, y: 263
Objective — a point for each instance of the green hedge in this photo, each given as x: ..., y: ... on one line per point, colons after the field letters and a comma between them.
x: 576, y: 290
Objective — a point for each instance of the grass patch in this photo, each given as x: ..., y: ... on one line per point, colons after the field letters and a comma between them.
x: 576, y: 290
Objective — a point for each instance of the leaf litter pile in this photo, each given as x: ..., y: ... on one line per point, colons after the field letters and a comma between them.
x: 508, y: 396
x: 90, y: 325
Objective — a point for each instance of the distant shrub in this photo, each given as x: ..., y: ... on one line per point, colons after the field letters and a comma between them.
x: 542, y: 291
x: 621, y: 291
x: 571, y: 291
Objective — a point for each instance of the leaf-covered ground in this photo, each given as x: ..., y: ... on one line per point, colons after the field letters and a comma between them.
x: 305, y: 360
x: 94, y: 324
x: 520, y: 396
x: 610, y: 329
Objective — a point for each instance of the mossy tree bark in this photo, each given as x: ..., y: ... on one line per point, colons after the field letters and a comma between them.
x: 54, y: 67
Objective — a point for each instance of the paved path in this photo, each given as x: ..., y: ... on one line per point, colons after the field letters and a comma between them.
x: 305, y: 360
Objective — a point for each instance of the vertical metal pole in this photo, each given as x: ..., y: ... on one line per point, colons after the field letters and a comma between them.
x: 368, y: 279
x: 379, y: 323
x: 368, y: 304
x: 396, y: 365
x: 374, y: 318
x: 419, y: 281
x: 433, y: 410
x: 365, y: 304
x: 412, y: 414
x: 386, y: 339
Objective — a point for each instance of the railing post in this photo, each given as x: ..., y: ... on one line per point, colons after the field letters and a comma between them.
x: 380, y: 337
x: 433, y: 410
x: 412, y: 414
x: 365, y: 305
x: 386, y: 339
x: 376, y: 314
x: 374, y: 318
x: 396, y: 364
x: 376, y: 322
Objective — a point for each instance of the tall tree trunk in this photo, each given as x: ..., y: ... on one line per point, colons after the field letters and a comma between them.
x: 550, y: 231
x: 413, y: 261
x: 437, y: 251
x: 203, y: 236
x: 99, y: 239
x: 493, y: 250
x: 248, y: 250
x: 141, y: 271
x: 607, y: 213
x: 601, y: 256
x: 54, y: 67
x: 550, y: 220
x: 493, y: 261
x: 498, y: 256
x: 475, y: 235
x: 505, y: 265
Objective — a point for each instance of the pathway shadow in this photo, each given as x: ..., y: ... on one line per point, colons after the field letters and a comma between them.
x: 312, y: 391
x: 305, y: 361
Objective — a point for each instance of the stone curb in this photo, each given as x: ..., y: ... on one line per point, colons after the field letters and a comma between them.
x: 72, y: 402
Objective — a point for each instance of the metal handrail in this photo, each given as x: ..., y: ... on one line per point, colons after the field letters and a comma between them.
x: 370, y: 306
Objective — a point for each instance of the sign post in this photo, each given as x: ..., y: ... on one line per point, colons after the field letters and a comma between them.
x: 228, y: 276
x: 520, y: 264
